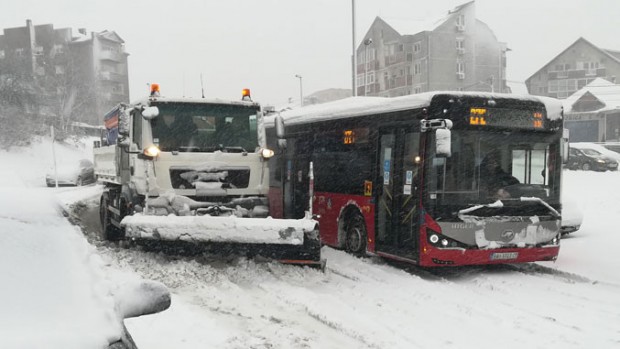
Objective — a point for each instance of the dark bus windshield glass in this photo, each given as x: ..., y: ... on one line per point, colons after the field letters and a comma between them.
x: 199, y: 127
x: 489, y: 166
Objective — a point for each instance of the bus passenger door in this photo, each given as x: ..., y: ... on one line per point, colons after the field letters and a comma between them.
x: 397, y: 201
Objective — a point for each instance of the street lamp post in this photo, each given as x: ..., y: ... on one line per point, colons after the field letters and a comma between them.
x: 366, y: 43
x: 301, y: 90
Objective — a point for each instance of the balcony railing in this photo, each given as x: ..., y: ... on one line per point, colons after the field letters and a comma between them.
x: 111, y: 56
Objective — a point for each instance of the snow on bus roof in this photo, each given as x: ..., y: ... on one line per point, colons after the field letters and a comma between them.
x: 357, y: 106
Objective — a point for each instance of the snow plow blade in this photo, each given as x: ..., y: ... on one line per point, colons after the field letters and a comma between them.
x: 286, y: 240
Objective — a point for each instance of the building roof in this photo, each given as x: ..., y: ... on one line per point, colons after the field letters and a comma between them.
x: 604, y: 91
x: 413, y: 26
x: 614, y: 55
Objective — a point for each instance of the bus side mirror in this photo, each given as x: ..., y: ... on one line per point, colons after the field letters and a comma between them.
x: 443, y: 142
x: 565, y: 146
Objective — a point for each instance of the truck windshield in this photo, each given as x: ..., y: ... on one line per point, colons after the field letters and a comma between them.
x: 201, y: 127
x: 490, y: 166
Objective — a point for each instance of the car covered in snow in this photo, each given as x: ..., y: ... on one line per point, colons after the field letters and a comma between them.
x: 76, y: 173
x: 590, y: 157
x: 55, y: 290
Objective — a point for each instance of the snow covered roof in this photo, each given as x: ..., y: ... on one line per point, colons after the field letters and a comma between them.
x: 606, y: 92
x: 356, y: 106
x: 412, y: 26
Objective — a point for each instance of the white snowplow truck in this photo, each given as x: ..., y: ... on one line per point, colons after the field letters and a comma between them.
x: 192, y: 173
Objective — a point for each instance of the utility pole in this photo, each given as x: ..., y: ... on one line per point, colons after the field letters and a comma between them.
x: 354, y: 52
x: 366, y: 43
x: 301, y: 91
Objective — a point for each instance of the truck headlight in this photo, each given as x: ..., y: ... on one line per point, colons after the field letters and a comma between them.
x: 152, y: 151
x: 266, y: 153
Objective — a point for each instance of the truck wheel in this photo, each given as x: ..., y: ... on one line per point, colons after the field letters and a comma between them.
x: 110, y: 232
x: 356, y: 236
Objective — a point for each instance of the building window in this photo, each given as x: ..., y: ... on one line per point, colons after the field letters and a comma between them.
x: 460, y: 46
x: 417, y: 47
x: 590, y: 68
x: 360, y: 80
x: 370, y: 78
x: 460, y: 22
x: 417, y: 68
x: 562, y: 87
x: 417, y: 89
x: 58, y: 49
x: 460, y: 70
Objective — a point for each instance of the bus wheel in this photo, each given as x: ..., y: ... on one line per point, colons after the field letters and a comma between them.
x: 355, y: 238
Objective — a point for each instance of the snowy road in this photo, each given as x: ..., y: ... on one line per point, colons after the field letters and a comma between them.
x: 367, y: 303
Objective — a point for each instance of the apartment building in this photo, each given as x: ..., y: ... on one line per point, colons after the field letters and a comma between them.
x: 455, y: 52
x: 574, y: 68
x: 72, y: 77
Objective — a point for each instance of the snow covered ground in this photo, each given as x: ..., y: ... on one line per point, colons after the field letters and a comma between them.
x: 366, y: 302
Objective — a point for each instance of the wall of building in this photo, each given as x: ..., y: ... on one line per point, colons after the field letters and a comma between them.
x: 566, y: 74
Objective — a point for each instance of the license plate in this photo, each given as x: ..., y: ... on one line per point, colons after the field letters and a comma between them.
x: 504, y: 255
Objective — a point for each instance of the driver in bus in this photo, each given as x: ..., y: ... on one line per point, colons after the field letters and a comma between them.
x: 493, y: 178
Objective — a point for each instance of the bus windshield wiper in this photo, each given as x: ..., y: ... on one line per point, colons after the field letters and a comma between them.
x: 496, y: 204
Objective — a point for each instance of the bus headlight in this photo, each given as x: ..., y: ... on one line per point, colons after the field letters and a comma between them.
x: 152, y: 151
x: 266, y: 153
x: 434, y: 238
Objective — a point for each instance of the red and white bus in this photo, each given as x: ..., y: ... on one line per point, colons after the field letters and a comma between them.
x: 434, y: 179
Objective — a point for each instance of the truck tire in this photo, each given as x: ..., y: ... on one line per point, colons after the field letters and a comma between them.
x: 110, y: 232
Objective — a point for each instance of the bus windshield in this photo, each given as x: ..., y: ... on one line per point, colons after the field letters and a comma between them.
x: 488, y: 166
x: 196, y: 127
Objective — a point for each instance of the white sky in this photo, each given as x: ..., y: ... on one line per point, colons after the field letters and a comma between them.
x: 263, y: 44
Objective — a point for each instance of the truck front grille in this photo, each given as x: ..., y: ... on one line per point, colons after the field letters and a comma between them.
x: 225, y: 177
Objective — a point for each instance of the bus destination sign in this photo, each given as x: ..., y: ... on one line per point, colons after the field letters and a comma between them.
x: 502, y: 117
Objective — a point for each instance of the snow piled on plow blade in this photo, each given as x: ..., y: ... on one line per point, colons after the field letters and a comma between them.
x: 218, y: 229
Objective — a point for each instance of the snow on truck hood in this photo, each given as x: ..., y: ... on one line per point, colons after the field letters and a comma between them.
x: 53, y: 289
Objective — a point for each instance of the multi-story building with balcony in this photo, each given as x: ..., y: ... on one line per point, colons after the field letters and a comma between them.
x: 72, y: 77
x: 575, y: 67
x: 456, y: 52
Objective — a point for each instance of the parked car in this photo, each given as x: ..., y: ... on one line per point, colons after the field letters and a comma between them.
x: 571, y: 217
x: 55, y: 291
x: 79, y: 173
x: 589, y: 159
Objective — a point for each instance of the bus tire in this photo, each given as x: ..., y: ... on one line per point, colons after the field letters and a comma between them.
x: 355, y: 235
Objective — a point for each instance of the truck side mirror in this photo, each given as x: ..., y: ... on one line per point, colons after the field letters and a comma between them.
x: 123, y: 123
x: 279, y: 123
x: 150, y: 113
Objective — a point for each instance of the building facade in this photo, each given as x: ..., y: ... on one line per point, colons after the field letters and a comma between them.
x: 574, y: 68
x: 72, y: 78
x: 592, y: 114
x: 456, y: 52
